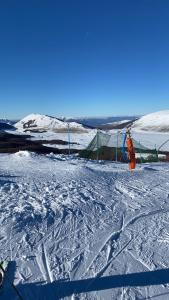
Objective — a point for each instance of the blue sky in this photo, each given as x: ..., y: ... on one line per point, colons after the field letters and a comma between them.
x: 84, y: 57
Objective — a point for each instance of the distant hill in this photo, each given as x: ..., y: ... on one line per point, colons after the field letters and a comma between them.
x: 116, y: 125
x: 100, y: 121
x: 158, y: 121
x: 42, y: 123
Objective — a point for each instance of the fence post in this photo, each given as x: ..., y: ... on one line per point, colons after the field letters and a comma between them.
x: 97, y: 141
x: 117, y: 146
x: 141, y: 161
x: 68, y: 127
x: 156, y: 152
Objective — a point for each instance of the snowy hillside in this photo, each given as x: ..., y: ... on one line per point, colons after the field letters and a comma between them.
x: 158, y: 121
x: 37, y: 122
x: 74, y: 229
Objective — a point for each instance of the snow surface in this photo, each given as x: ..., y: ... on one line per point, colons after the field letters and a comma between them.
x: 158, y: 121
x: 43, y: 122
x: 65, y: 219
x: 82, y: 140
x: 58, y: 146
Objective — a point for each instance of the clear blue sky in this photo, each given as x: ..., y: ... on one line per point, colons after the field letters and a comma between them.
x: 84, y: 57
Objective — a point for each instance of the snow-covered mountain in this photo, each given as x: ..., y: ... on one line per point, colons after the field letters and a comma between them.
x: 38, y: 122
x: 158, y: 121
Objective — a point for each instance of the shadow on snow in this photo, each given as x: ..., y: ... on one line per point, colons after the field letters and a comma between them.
x: 60, y: 289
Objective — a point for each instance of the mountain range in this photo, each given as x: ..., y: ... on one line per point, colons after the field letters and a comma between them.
x: 157, y: 122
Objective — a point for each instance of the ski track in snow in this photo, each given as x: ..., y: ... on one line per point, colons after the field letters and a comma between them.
x: 69, y: 219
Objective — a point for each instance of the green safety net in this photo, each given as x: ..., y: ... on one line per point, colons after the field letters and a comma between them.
x: 109, y: 147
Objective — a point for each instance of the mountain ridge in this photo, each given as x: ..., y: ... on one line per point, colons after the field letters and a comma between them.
x: 38, y: 122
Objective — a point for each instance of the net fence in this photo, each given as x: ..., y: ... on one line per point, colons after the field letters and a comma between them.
x: 105, y: 146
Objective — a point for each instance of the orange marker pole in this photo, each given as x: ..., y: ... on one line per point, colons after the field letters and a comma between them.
x: 131, y: 153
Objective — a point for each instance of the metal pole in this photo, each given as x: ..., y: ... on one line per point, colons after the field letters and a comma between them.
x: 117, y: 146
x: 97, y: 141
x: 156, y: 152
x: 140, y: 153
x: 68, y: 125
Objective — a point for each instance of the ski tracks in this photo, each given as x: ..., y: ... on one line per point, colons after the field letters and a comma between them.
x: 43, y: 263
x: 80, y: 226
x: 135, y: 193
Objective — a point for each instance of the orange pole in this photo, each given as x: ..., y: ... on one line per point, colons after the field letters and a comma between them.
x: 131, y: 153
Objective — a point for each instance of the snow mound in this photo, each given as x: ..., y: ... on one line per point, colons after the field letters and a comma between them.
x: 25, y: 154
x: 158, y: 121
x: 38, y: 122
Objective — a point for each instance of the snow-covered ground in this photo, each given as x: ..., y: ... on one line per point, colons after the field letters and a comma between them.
x: 70, y: 226
x: 77, y: 140
x: 82, y: 139
x: 72, y: 146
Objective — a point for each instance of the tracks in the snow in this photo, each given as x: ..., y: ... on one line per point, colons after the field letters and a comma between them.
x: 43, y: 263
x: 85, y: 225
x: 84, y: 265
x: 130, y: 220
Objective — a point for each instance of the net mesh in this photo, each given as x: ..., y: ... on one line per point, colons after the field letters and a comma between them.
x: 112, y: 141
x: 109, y: 147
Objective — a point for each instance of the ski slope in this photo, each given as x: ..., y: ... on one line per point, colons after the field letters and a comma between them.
x: 70, y: 226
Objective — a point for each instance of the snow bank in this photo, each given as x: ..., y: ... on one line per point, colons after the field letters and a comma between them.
x: 24, y: 154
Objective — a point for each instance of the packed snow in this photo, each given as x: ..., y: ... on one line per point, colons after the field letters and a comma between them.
x: 69, y: 226
x: 158, y: 121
